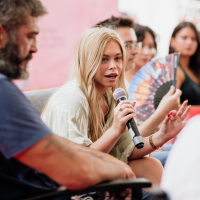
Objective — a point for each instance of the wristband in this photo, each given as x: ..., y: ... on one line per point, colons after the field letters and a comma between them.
x: 151, y: 142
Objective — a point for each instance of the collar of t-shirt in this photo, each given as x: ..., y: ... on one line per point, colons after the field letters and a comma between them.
x: 2, y: 76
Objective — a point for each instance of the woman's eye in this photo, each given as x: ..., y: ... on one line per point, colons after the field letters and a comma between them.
x: 104, y: 59
x: 118, y: 58
x: 184, y: 37
x: 194, y: 39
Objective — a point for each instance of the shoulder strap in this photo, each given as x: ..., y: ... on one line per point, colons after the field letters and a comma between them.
x: 182, y: 69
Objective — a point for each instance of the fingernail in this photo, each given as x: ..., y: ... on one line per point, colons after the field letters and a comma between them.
x: 170, y: 114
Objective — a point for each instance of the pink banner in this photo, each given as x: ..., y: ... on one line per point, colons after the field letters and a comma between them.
x: 59, y: 31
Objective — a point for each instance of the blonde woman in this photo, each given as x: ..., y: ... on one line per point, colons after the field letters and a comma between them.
x: 83, y: 110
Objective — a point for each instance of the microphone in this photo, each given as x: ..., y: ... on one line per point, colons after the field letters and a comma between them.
x: 119, y: 95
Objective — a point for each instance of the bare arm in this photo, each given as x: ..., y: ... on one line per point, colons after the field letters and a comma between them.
x: 70, y: 164
x: 104, y: 156
x: 169, y: 102
x: 106, y: 142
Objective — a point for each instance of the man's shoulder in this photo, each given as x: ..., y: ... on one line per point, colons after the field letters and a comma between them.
x: 8, y: 91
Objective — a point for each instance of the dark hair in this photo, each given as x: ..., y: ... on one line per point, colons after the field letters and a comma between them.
x: 141, y: 31
x: 194, y: 64
x: 116, y: 22
x: 14, y: 13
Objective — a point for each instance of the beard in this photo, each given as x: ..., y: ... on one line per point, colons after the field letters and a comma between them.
x: 10, y: 61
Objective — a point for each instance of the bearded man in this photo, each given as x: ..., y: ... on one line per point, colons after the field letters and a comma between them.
x: 33, y: 160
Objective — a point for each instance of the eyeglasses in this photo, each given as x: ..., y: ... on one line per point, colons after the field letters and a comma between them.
x: 132, y: 46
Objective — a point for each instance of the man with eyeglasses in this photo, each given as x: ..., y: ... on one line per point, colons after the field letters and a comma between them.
x: 124, y: 27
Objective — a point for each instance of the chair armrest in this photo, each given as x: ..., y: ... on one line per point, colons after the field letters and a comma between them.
x: 136, y: 185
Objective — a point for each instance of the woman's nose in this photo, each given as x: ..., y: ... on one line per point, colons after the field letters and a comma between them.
x: 189, y: 41
x: 112, y: 64
x: 146, y: 50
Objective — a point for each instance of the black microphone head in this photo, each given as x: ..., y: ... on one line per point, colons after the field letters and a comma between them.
x: 119, y: 93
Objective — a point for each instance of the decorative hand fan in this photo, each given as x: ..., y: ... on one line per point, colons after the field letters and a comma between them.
x: 151, y: 83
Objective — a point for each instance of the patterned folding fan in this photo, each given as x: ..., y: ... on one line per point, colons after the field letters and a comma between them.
x: 151, y: 83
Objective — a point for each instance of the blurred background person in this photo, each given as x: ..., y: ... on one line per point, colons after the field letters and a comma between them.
x: 147, y: 37
x: 148, y: 50
x: 185, y: 40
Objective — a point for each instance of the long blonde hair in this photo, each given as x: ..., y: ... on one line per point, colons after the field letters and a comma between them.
x: 88, y: 53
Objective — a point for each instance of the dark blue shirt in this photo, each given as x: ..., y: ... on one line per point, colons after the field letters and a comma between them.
x: 20, y: 127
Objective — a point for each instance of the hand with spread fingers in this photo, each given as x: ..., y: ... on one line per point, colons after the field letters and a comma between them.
x: 174, y: 122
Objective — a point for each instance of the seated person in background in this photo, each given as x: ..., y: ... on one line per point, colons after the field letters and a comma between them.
x: 33, y: 160
x: 124, y: 26
x: 83, y: 109
x: 147, y: 38
x: 148, y: 50
x: 185, y: 40
x: 181, y: 177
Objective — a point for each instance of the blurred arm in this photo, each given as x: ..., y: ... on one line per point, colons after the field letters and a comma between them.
x: 69, y: 164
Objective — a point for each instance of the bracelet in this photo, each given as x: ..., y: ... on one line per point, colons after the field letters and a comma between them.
x: 151, y: 142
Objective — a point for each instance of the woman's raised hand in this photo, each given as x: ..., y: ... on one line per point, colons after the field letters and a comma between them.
x: 174, y: 122
x: 123, y: 112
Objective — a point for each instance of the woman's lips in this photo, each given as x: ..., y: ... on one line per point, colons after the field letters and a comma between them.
x: 145, y: 60
x: 111, y: 77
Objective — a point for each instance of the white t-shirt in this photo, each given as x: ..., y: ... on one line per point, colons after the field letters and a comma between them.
x: 181, y: 179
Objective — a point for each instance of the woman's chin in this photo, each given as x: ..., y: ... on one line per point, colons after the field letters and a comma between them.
x: 188, y: 53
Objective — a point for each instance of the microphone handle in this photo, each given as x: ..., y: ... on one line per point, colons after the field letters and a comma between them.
x: 132, y: 125
x: 133, y: 130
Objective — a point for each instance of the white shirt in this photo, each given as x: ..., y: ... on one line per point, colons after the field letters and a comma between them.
x: 181, y: 179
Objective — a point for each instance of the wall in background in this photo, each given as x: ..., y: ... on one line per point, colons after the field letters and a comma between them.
x: 59, y: 30
x: 160, y: 15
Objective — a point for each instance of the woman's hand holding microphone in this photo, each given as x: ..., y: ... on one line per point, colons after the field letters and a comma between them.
x: 123, y: 112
